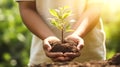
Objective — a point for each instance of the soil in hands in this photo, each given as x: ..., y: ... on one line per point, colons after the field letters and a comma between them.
x: 64, y: 47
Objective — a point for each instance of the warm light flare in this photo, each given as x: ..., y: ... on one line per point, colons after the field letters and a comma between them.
x: 111, y: 11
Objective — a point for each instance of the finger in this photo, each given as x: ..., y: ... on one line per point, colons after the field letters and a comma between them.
x: 80, y: 44
x: 61, y: 59
x: 71, y: 54
x: 79, y: 47
x: 54, y: 54
x: 67, y: 57
x: 58, y: 59
x: 46, y: 45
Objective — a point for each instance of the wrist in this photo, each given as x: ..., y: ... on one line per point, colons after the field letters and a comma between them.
x: 52, y: 36
x: 46, y: 36
x: 78, y: 34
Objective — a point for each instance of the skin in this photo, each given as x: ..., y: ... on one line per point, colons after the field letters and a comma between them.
x: 36, y: 25
x: 33, y: 21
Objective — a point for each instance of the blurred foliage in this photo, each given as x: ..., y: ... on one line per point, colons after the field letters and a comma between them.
x: 15, y: 38
x: 111, y: 19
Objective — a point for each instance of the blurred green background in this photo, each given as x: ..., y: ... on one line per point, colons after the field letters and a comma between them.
x: 15, y: 38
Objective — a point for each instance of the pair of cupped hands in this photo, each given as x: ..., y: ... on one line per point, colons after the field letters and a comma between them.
x: 60, y: 56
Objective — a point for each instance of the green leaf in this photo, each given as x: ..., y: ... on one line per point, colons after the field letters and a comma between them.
x: 68, y: 27
x: 65, y: 15
x: 54, y: 22
x: 53, y: 12
x: 70, y: 30
x: 60, y: 15
x: 68, y: 11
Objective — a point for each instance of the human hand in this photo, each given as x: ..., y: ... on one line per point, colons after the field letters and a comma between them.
x: 60, y: 56
x: 80, y: 43
x: 55, y: 56
x: 76, y: 39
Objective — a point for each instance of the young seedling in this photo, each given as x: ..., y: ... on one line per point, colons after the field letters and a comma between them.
x: 59, y: 20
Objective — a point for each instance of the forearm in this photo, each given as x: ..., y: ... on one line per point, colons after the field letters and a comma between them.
x: 34, y: 23
x: 86, y: 22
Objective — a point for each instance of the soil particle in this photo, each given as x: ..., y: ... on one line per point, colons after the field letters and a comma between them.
x: 113, y: 62
x: 77, y: 64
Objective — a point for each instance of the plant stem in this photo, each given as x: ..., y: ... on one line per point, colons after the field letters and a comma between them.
x: 62, y: 36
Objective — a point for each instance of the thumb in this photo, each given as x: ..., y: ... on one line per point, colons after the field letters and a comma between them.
x: 46, y: 46
x: 80, y: 44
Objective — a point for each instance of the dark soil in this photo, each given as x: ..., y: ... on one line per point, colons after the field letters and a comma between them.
x: 113, y: 62
x: 64, y: 47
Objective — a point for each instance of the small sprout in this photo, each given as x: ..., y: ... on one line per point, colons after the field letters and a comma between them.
x: 59, y: 19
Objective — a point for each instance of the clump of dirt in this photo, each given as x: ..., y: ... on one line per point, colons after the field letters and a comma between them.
x: 77, y: 64
x: 113, y: 62
x: 64, y: 47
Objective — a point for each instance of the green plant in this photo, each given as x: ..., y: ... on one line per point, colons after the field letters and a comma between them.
x: 59, y: 19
